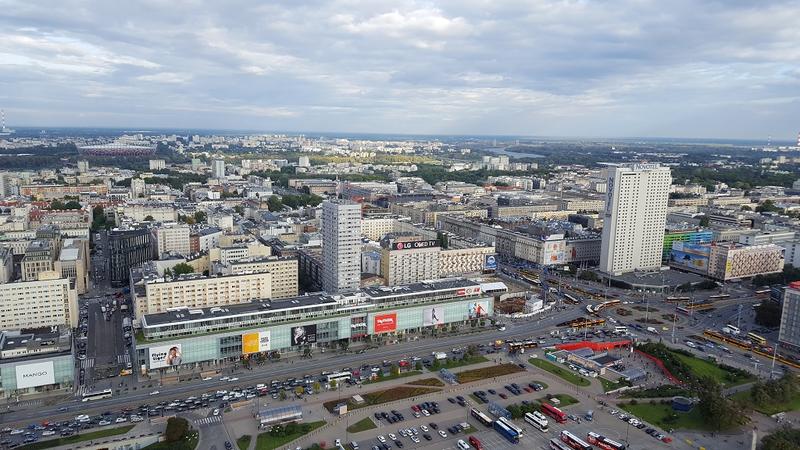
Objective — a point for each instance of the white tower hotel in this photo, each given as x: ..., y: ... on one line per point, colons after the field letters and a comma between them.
x: 341, y: 246
x: 635, y: 216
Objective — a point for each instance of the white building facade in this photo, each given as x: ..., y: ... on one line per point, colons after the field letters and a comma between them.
x: 341, y: 246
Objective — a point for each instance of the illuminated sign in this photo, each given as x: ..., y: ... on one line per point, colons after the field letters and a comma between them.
x: 385, y: 322
x: 413, y: 245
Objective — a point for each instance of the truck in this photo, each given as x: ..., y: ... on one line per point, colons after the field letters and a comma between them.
x: 652, y: 330
x: 439, y: 355
x: 126, y: 322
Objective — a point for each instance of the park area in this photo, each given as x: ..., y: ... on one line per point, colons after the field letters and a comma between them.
x: 382, y: 396
x: 691, y: 370
x: 281, y: 435
x: 362, y: 425
x: 663, y: 416
x: 469, y: 376
x: 560, y: 372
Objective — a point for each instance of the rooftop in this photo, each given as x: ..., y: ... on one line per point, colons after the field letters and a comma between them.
x: 424, y: 286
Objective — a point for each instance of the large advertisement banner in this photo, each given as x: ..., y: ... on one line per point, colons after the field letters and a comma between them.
x: 305, y: 334
x: 414, y: 245
x: 165, y: 356
x: 690, y: 255
x: 478, y: 309
x: 385, y: 323
x: 256, y: 342
x: 490, y: 262
x: 433, y: 316
x: 36, y: 374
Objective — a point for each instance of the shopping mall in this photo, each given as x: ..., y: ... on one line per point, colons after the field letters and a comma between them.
x: 187, y: 338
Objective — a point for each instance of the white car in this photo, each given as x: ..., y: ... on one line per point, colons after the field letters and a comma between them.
x: 425, y: 413
x: 215, y: 412
x: 381, y: 439
x: 48, y: 433
x: 442, y: 433
x: 234, y: 379
x: 155, y: 393
x: 392, y: 437
x: 423, y: 428
x: 120, y: 420
x: 103, y: 423
x: 337, y: 443
x: 463, y: 445
x: 207, y: 379
x: 136, y: 418
x: 415, y: 439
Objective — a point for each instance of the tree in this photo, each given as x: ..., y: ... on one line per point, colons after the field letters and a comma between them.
x: 316, y: 386
x: 720, y: 412
x: 200, y: 216
x: 239, y: 209
x: 298, y: 391
x: 418, y: 366
x: 784, y: 438
x: 588, y: 275
x: 395, y: 371
x: 274, y: 204
x: 307, y: 352
x: 282, y: 394
x: 768, y: 206
x: 333, y: 384
x: 149, y: 218
x: 768, y: 314
x: 182, y: 268
x: 72, y: 204
x: 704, y: 221
x: 98, y: 218
x: 344, y: 344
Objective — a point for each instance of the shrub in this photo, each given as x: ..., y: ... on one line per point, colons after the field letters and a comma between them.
x: 176, y: 429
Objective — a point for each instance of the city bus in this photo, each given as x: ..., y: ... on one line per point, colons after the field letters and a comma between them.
x: 719, y: 296
x: 677, y: 299
x: 538, y: 420
x: 571, y: 299
x: 482, y: 418
x: 757, y: 339
x: 574, y: 441
x: 733, y: 329
x: 511, y: 425
x: 604, y: 442
x: 763, y: 291
x: 506, y: 431
x: 557, y: 414
x: 99, y: 395
x: 620, y: 329
x: 339, y: 376
x: 555, y: 444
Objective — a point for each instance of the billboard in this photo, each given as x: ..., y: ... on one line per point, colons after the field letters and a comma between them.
x: 472, y: 290
x: 385, y: 322
x: 256, y: 342
x: 304, y: 334
x: 36, y: 374
x: 478, y: 309
x: 690, y: 256
x: 490, y: 262
x: 433, y: 316
x: 412, y: 245
x: 165, y: 356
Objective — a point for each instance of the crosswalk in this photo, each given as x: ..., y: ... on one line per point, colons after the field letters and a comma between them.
x: 81, y: 390
x: 124, y: 359
x: 208, y: 420
x: 87, y: 363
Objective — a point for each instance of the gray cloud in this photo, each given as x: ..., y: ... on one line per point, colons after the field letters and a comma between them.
x: 570, y: 68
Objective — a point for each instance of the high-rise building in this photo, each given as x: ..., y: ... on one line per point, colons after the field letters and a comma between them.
x: 138, y: 187
x: 128, y: 248
x: 341, y: 246
x: 83, y: 166
x: 218, y: 168
x: 303, y: 161
x: 158, y: 164
x: 789, y: 333
x: 635, y: 217
x: 172, y: 238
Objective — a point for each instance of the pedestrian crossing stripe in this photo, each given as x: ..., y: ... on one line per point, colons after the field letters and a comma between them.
x: 208, y: 420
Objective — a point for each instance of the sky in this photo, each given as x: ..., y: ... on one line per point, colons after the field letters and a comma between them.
x: 614, y: 68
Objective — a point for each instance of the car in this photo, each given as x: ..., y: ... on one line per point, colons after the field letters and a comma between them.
x: 415, y: 439
x: 398, y: 444
x: 381, y: 439
x: 423, y: 428
x: 378, y: 416
x: 492, y: 391
x: 463, y: 445
x: 503, y: 396
x: 155, y: 393
x: 460, y: 398
x: 228, y: 445
x: 392, y: 436
x: 120, y: 420
x: 103, y: 423
x: 451, y: 399
x: 425, y: 413
x: 215, y: 412
x: 337, y: 443
x: 442, y: 434
x: 433, y: 426
x: 427, y: 436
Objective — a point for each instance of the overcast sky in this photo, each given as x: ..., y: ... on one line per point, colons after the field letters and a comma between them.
x: 539, y: 68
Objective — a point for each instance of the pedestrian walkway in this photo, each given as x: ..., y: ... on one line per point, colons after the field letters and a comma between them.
x: 124, y: 359
x: 208, y: 420
x: 87, y: 363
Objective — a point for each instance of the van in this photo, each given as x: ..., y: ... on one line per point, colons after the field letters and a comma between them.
x: 354, y: 445
x: 463, y: 445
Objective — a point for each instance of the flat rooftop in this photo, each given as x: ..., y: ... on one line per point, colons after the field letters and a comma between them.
x: 186, y: 314
x: 424, y: 286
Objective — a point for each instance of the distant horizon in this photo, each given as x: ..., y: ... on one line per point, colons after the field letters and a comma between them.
x: 309, y: 133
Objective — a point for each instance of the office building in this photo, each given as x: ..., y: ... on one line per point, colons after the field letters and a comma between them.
x: 73, y: 263
x: 153, y: 293
x: 341, y: 246
x: 128, y: 248
x: 83, y: 166
x: 172, y: 238
x: 218, y: 168
x: 39, y: 257
x: 48, y: 301
x: 138, y: 187
x: 688, y: 236
x: 284, y: 272
x: 789, y: 334
x: 158, y: 164
x: 303, y: 161
x: 408, y: 259
x: 729, y: 261
x: 6, y: 265
x: 634, y: 218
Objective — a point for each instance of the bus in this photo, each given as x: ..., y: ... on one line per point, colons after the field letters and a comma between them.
x: 604, y: 442
x: 99, y: 395
x: 620, y: 329
x: 506, y: 431
x: 538, y: 420
x: 571, y: 299
x: 557, y: 414
x: 757, y: 339
x: 719, y: 296
x: 555, y: 444
x: 339, y: 376
x: 482, y: 418
x: 763, y: 291
x: 574, y: 441
x: 677, y: 299
x: 511, y: 425
x: 530, y: 343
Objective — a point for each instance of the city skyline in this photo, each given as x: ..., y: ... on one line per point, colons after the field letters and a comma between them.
x: 547, y: 69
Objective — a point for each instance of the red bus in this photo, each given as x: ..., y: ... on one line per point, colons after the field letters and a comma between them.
x: 604, y: 442
x: 574, y: 441
x: 557, y: 414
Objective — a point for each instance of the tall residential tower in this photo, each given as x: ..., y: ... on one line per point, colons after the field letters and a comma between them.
x: 341, y: 246
x: 635, y: 217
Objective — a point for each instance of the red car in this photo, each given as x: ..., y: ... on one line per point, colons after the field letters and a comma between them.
x: 527, y: 389
x: 415, y: 408
x: 473, y: 441
x: 502, y: 395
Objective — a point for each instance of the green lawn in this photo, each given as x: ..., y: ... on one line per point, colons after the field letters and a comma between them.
x: 660, y: 415
x: 609, y: 385
x: 483, y: 373
x: 559, y: 371
x: 77, y: 438
x: 189, y: 442
x: 362, y: 425
x: 704, y: 368
x: 410, y: 373
x: 465, y: 361
x: 243, y: 442
x: 267, y: 442
x: 564, y: 399
x: 769, y: 409
x: 426, y: 382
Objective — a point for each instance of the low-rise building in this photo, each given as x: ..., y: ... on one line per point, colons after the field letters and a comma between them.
x: 733, y: 261
x: 284, y: 272
x: 36, y: 361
